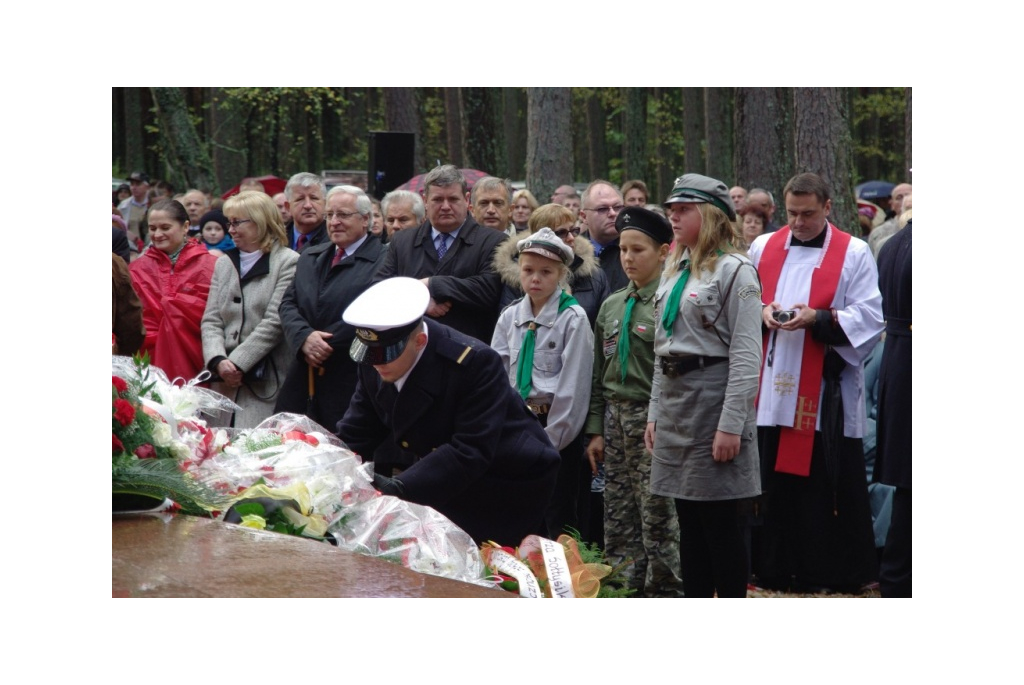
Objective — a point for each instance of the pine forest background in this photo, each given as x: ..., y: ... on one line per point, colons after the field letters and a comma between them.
x: 212, y: 138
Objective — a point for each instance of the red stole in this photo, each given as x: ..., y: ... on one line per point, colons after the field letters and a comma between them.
x: 796, y: 443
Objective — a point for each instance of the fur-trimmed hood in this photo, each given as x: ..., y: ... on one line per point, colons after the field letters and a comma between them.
x: 506, y: 261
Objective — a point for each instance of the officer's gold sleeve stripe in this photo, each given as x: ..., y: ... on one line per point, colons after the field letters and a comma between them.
x: 463, y: 355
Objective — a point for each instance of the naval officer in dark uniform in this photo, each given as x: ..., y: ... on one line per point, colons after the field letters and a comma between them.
x: 479, y: 455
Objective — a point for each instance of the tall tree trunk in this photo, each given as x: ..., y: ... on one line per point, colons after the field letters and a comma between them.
x: 580, y: 136
x: 665, y: 133
x: 453, y: 119
x: 402, y: 114
x: 548, y: 139
x: 314, y: 131
x: 763, y: 130
x: 480, y: 133
x: 908, y: 149
x: 225, y: 129
x: 823, y: 146
x: 693, y: 130
x: 185, y: 153
x: 354, y: 141
x: 283, y: 133
x: 117, y: 132
x: 335, y: 143
x: 597, y: 160
x: 514, y: 124
x: 718, y: 134
x: 433, y: 118
x: 634, y: 134
x: 134, y: 148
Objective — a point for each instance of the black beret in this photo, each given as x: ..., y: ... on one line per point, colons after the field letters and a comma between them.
x: 645, y: 221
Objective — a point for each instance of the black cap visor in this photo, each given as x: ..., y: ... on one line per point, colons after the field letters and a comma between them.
x: 380, y: 347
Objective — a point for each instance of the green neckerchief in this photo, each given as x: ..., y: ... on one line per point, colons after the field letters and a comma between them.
x: 623, y: 345
x: 668, y: 317
x: 524, y: 370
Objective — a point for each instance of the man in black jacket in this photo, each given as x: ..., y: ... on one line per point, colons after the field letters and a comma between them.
x: 328, y: 277
x: 602, y: 203
x: 451, y: 254
x: 477, y: 454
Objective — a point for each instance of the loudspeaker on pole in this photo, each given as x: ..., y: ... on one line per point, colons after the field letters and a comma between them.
x: 392, y: 156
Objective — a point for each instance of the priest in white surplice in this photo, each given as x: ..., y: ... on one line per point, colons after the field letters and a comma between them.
x: 816, y: 533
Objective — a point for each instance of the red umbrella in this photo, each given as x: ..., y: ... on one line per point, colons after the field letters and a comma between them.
x: 415, y: 184
x: 271, y: 184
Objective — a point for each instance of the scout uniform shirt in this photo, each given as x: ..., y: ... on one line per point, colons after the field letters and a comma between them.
x: 607, y: 379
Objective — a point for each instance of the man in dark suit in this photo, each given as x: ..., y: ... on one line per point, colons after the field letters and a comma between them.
x: 451, y: 254
x: 305, y: 196
x: 894, y: 464
x: 479, y: 455
x: 602, y: 203
x: 328, y: 277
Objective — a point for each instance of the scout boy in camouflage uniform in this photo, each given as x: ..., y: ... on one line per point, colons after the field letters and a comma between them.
x: 637, y: 525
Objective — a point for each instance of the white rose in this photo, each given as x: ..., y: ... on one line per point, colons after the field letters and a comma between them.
x: 161, y: 435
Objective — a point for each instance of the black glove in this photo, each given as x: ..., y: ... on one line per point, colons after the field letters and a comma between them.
x: 389, y: 486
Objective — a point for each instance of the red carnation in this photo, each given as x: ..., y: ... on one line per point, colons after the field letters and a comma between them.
x: 146, y: 451
x: 119, y: 384
x: 118, y: 445
x: 288, y: 436
x: 124, y: 412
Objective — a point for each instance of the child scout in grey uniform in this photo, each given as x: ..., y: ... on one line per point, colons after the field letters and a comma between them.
x: 545, y: 342
x: 637, y: 524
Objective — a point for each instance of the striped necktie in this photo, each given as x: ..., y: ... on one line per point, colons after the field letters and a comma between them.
x: 442, y: 245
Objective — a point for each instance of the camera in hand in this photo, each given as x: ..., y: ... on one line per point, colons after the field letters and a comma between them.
x: 784, y: 315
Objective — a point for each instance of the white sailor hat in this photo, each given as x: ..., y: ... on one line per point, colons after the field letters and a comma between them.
x: 384, y: 315
x: 545, y: 243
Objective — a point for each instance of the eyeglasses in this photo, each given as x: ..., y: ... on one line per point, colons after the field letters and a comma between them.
x: 562, y: 234
x: 341, y: 216
x: 603, y: 210
x: 235, y: 223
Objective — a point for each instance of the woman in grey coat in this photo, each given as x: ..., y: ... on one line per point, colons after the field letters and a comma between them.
x: 243, y: 343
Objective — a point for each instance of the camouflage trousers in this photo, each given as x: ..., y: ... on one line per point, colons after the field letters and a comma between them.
x: 637, y: 525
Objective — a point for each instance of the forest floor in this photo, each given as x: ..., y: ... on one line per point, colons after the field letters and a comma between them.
x: 757, y: 592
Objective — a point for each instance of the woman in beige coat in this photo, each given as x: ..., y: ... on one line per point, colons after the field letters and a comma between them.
x: 243, y: 343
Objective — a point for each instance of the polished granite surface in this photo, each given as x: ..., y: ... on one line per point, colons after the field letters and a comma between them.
x: 185, y: 556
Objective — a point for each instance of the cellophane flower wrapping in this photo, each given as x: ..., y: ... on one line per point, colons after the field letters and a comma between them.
x: 290, y: 457
x: 286, y: 457
x: 156, y: 432
x: 413, y: 535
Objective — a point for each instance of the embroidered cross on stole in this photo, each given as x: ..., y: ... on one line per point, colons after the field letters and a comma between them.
x: 796, y: 443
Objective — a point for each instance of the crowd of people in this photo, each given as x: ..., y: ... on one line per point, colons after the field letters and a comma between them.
x: 681, y: 382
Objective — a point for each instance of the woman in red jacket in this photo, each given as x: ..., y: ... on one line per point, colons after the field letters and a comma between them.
x: 172, y: 278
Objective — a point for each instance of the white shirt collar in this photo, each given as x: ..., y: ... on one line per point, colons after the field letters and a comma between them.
x: 454, y: 234
x: 353, y: 247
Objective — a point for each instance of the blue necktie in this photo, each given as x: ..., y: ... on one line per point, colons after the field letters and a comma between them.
x: 442, y: 245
